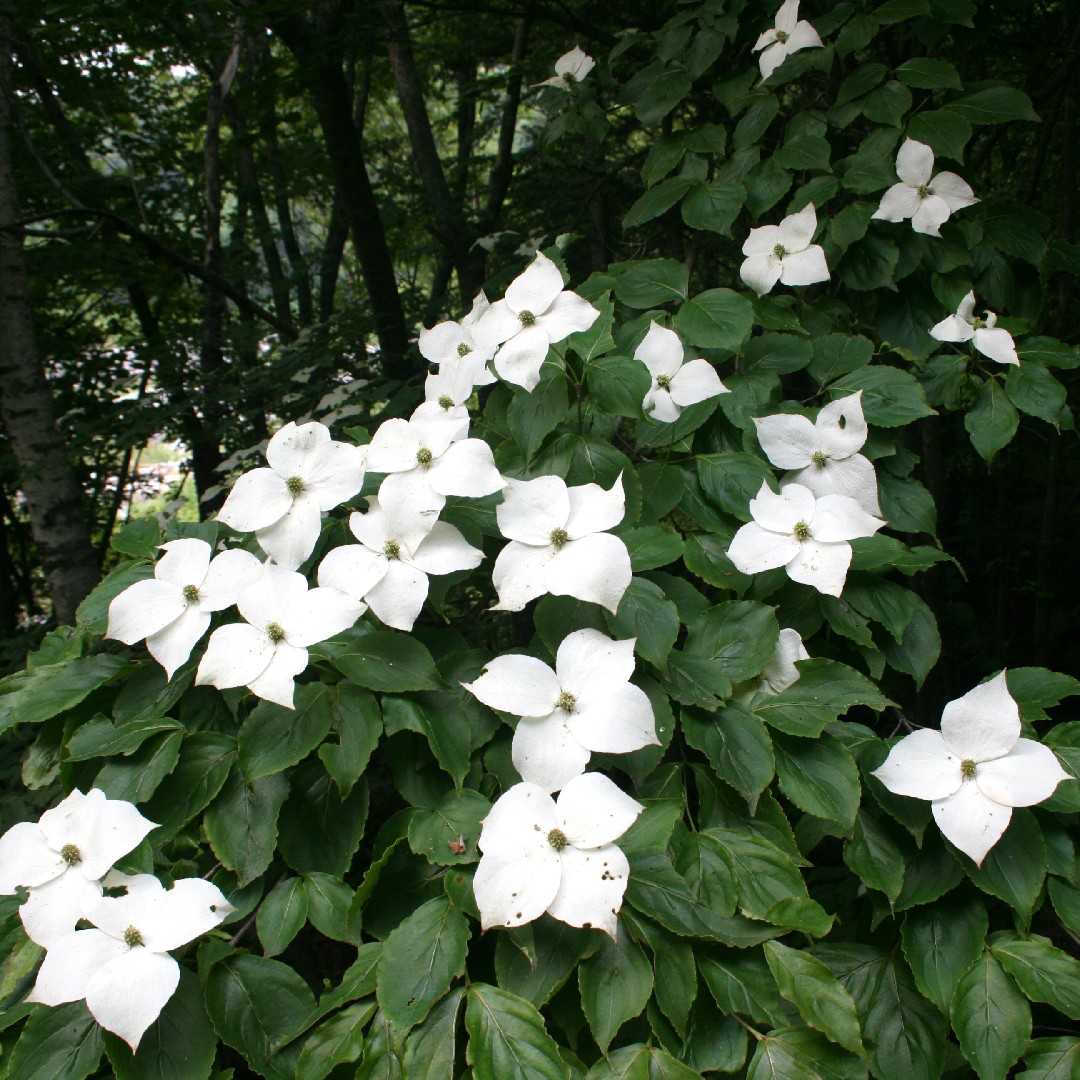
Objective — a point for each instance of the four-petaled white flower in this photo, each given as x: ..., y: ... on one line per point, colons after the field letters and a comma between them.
x: 62, y: 858
x: 570, y: 68
x: 122, y: 967
x: 428, y: 458
x: 824, y: 454
x: 447, y: 342
x: 283, y: 505
x: 172, y: 609
x: 381, y: 571
x: 535, y: 312
x: 807, y: 536
x: 447, y: 390
x: 541, y: 855
x: 984, y: 333
x: 928, y: 202
x: 784, y: 253
x: 975, y: 769
x: 266, y: 653
x: 674, y: 384
x: 789, y: 35
x: 559, y: 543
x: 586, y: 705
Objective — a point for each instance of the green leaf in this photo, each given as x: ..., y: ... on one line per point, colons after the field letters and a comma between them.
x: 420, y: 959
x: 645, y: 613
x: 740, y: 982
x: 45, y: 691
x: 941, y: 941
x: 996, y: 105
x: 716, y: 319
x: 388, y: 661
x: 655, y: 90
x: 447, y: 736
x: 739, y: 637
x: 731, y: 480
x: 1015, y: 867
x: 615, y: 983
x: 320, y: 831
x: 61, y: 1043
x: 617, y: 385
x: 358, y: 723
x: 93, y: 613
x: 696, y: 680
x: 813, y: 989
x: 919, y: 649
x: 507, y: 1038
x: 825, y: 691
x: 872, y: 855
x: 1051, y: 1059
x: 652, y: 282
x: 891, y: 397
x: 336, y: 1042
x: 206, y: 758
x: 281, y: 915
x: 737, y: 746
x: 139, y: 539
x: 537, y: 972
x: 652, y: 547
x: 675, y: 981
x: 101, y: 738
x: 136, y: 778
x: 1043, y: 972
x: 714, y: 206
x: 448, y: 835
x: 839, y: 354
x: 946, y: 133
x: 330, y: 909
x: 801, y: 1054
x: 993, y: 420
x: 382, y: 1059
x: 893, y: 11
x: 1033, y: 390
x: 242, y: 824
x: 431, y: 1047
x: 819, y: 776
x: 991, y: 1018
x: 926, y: 73
x: 882, y: 601
x: 272, y: 737
x: 533, y: 416
x: 640, y: 1062
x: 656, y: 201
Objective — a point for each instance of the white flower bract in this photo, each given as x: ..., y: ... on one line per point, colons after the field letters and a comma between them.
x: 928, y: 200
x: 784, y: 253
x: 556, y: 856
x: 675, y: 384
x: 570, y: 68
x: 448, y: 342
x: 586, y: 705
x: 807, y: 536
x: 789, y: 35
x: 975, y: 769
x: 984, y: 333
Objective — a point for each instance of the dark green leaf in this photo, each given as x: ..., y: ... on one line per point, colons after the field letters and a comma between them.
x: 388, y: 661
x: 45, y: 691
x: 926, y: 73
x: 656, y: 201
x: 320, y: 831
x: 716, y: 319
x: 646, y: 614
x: 1043, y: 972
x: 533, y: 416
x: 615, y: 984
x: 336, y: 1042
x: 801, y: 1054
x: 991, y: 1018
x: 281, y: 915
x: 996, y: 105
x: 447, y: 835
x: 273, y: 738
x: 242, y: 823
x: 507, y: 1038
x: 136, y: 778
x: 825, y: 691
x: 946, y: 133
x: 431, y: 1048
x: 941, y: 941
x: 737, y: 745
x: 739, y: 637
x: 819, y: 776
x: 891, y: 397
x: 652, y: 282
x: 1015, y: 866
x: 61, y: 1043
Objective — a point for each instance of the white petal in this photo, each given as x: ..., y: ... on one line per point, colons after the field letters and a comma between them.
x: 780, y: 672
x: 853, y: 477
x: 761, y: 272
x: 276, y: 592
x: 258, y: 499
x: 292, y: 445
x: 235, y: 655
x: 796, y: 231
x: 321, y: 614
x: 276, y: 682
x: 839, y: 518
x: 399, y: 597
x: 1027, y: 775
x: 372, y: 528
x: 983, y: 724
x: 53, y: 909
x: 915, y: 163
x: 765, y: 39
x: 952, y: 329
x: 185, y: 562
x: 520, y: 574
x: 900, y: 202
x: 333, y: 473
x: 444, y: 551
x: 657, y: 403
x: 514, y: 889
x: 921, y: 766
x: 227, y: 576
x: 439, y: 344
x: 661, y: 351
x: 519, y: 816
x: 393, y: 447
x: 971, y: 821
x: 805, y: 267
x: 353, y: 569
x: 696, y: 381
x: 594, y: 509
x: 781, y: 513
x: 588, y: 658
x: 803, y: 36
x: 71, y: 820
x: 545, y: 753
x: 595, y: 568
x: 531, y: 509
x: 70, y: 964
x: 26, y: 858
x: 127, y: 995
x: 519, y: 685
x: 143, y: 609
x: 955, y: 191
x: 592, y: 888
x: 997, y: 344
x: 536, y: 287
x: 412, y: 505
x: 930, y: 216
x: 824, y: 566
x: 498, y: 324
x: 754, y: 549
x: 520, y: 358
x: 842, y: 426
x: 771, y: 59
x: 762, y: 240
x: 292, y: 538
x: 172, y: 646
x: 592, y: 811
x: 787, y: 16
x: 789, y: 442
x: 166, y: 918
x: 613, y: 720
x: 575, y: 63
x: 467, y: 468
x: 436, y: 431
x: 106, y: 830
x: 568, y: 314
x: 966, y: 310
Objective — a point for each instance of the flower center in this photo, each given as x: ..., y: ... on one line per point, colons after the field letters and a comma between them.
x: 295, y: 485
x: 463, y: 349
x: 967, y: 767
x: 132, y: 937
x: 274, y: 632
x: 782, y: 36
x: 663, y: 381
x: 557, y: 839
x: 191, y: 593
x: 71, y: 854
x: 567, y: 702
x: 779, y: 251
x: 978, y: 323
x: 527, y: 318
x: 922, y: 191
x: 391, y: 549
x: 819, y: 459
x: 568, y: 78
x: 446, y: 402
x: 424, y: 457
x: 801, y: 531
x: 558, y: 538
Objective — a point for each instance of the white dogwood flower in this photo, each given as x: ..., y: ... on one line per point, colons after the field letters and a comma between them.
x: 570, y: 68
x: 674, y: 384
x: 63, y: 856
x: 789, y: 35
x: 427, y: 458
x: 449, y: 341
x: 983, y: 332
x: 535, y: 312
x: 586, y: 705
x: 823, y: 455
x: 381, y: 571
x: 283, y: 505
x: 928, y: 200
x: 805, y: 535
x: 975, y: 769
x: 555, y: 856
x: 780, y: 672
x: 266, y: 653
x: 122, y: 967
x: 172, y: 610
x: 559, y: 543
x: 784, y: 253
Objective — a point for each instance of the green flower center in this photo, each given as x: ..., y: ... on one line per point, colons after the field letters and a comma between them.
x: 71, y: 854
x: 802, y: 531
x: 558, y: 538
x: 978, y: 323
x: 132, y: 937
x: 557, y: 839
x: 392, y: 549
x: 922, y: 191
x: 663, y: 381
x: 566, y: 701
x: 782, y: 36
x: 967, y: 767
x: 191, y: 593
x: 295, y: 485
x: 424, y: 457
x: 527, y: 318
x: 779, y: 251
x: 463, y: 349
x: 274, y: 632
x: 819, y: 459
x: 446, y: 402
x: 568, y: 78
